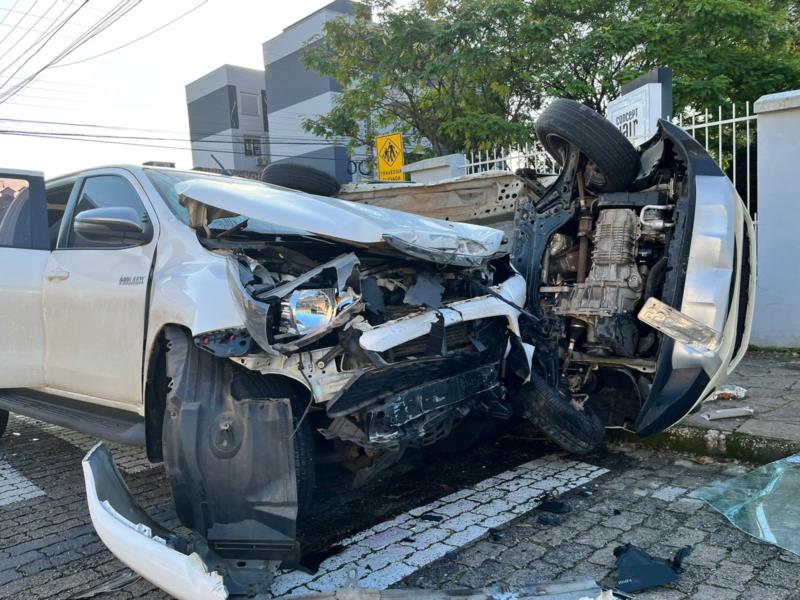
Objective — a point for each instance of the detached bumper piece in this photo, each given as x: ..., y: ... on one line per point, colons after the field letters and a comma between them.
x: 138, y: 541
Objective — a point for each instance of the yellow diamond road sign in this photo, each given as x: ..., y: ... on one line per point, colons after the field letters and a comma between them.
x: 390, y: 157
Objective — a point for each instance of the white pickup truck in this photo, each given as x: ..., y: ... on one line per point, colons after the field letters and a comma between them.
x: 233, y: 328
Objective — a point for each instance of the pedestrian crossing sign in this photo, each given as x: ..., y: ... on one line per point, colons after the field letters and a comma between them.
x: 390, y: 157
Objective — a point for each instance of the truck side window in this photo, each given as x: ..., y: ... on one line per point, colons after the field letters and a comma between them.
x: 104, y: 191
x: 22, y: 214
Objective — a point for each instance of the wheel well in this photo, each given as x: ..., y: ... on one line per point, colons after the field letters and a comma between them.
x: 156, y: 392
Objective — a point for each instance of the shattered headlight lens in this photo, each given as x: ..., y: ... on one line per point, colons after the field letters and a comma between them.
x: 307, y: 311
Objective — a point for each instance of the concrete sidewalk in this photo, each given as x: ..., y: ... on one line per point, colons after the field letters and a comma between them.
x: 772, y: 381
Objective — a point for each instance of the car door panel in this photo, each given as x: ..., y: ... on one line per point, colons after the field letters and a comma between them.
x: 95, y: 299
x: 24, y: 252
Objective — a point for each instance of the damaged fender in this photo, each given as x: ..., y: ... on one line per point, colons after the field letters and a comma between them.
x: 137, y: 540
x: 255, y: 312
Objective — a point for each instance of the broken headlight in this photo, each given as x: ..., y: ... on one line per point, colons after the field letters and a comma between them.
x: 307, y: 311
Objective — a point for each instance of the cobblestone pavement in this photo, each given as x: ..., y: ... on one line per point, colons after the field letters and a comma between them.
x: 48, y: 548
x: 772, y: 381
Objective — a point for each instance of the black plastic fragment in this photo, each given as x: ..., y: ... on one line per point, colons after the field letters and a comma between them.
x: 637, y: 570
x: 554, y: 506
x: 432, y: 517
x: 549, y: 519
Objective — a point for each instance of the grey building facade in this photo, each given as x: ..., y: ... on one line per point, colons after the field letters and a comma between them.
x: 228, y: 119
x: 293, y: 92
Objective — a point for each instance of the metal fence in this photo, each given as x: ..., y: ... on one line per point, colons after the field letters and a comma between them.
x: 530, y: 156
x: 728, y: 134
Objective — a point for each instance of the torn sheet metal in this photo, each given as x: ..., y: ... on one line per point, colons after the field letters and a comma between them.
x: 679, y: 326
x: 138, y: 541
x: 436, y: 240
x: 393, y: 333
x: 427, y: 290
x: 341, y: 271
x: 762, y: 503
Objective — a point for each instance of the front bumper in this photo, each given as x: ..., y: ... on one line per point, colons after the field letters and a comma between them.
x: 139, y: 542
x: 712, y: 266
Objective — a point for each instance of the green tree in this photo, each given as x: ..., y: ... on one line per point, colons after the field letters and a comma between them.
x: 471, y: 74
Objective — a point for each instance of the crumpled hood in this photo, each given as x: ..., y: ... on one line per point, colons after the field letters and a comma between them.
x: 439, y: 241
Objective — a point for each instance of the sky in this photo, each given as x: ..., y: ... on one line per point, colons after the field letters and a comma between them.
x: 141, y: 86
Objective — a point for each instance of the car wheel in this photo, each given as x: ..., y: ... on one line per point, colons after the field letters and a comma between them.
x: 3, y: 421
x: 613, y: 161
x: 301, y: 177
x: 576, y: 431
x: 248, y: 384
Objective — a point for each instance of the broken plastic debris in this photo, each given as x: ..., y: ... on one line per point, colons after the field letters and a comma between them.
x: 727, y: 392
x: 637, y: 570
x: 728, y: 413
x: 552, y: 505
x: 549, y: 519
x: 762, y: 502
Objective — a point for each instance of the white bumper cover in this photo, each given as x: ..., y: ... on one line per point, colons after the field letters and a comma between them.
x: 134, y: 538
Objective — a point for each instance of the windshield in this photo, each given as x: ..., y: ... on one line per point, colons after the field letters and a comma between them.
x: 165, y: 181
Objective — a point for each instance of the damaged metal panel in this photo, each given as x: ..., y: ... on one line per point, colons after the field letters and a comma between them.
x: 383, y: 337
x: 430, y: 239
x: 256, y: 312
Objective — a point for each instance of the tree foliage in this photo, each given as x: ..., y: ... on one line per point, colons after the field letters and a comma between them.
x: 467, y: 74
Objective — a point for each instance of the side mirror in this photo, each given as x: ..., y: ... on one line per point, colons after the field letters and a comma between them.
x: 116, y: 225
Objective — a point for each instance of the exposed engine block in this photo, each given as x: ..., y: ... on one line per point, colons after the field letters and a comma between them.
x: 614, y: 284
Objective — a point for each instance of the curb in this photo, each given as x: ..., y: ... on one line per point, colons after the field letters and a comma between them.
x: 712, y: 442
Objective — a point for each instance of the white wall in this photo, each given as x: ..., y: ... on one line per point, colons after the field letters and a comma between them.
x: 777, y: 319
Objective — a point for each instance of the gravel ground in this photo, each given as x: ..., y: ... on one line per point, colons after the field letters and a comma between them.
x: 48, y: 548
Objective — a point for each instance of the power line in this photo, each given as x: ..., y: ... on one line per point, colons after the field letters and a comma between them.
x: 178, y: 18
x: 14, y: 27
x: 140, y: 145
x: 8, y: 12
x: 266, y: 134
x: 35, y: 42
x: 39, y: 49
x: 239, y: 139
x: 108, y: 19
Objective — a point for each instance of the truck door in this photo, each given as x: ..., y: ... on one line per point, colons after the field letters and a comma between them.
x: 24, y: 251
x: 96, y: 291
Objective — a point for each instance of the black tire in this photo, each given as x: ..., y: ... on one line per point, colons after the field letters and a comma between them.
x: 248, y: 384
x: 301, y: 177
x: 3, y: 421
x: 577, y: 432
x: 598, y: 140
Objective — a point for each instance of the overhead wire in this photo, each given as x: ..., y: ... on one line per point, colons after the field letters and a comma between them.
x: 35, y: 42
x: 148, y: 34
x: 17, y: 24
x: 107, y: 20
x: 142, y: 145
x: 44, y: 43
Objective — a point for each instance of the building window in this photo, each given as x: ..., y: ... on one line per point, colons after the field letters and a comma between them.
x: 249, y: 104
x: 252, y: 146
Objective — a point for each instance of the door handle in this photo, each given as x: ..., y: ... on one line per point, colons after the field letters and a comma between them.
x: 59, y: 275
